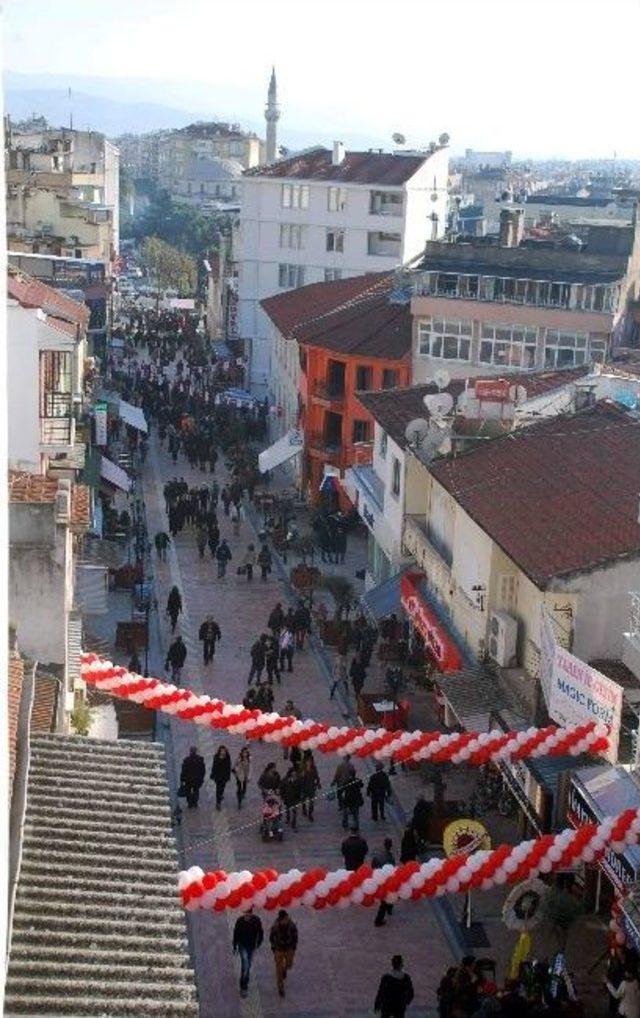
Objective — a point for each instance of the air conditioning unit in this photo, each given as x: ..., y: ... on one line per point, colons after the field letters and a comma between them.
x: 62, y: 506
x: 503, y: 635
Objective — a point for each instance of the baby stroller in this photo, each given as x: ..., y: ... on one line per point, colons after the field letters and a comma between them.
x: 271, y: 827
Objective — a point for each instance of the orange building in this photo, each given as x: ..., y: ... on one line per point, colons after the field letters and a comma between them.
x: 359, y: 341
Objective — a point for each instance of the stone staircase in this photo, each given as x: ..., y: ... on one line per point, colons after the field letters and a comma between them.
x: 98, y: 928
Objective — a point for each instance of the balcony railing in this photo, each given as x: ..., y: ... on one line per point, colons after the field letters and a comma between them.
x: 330, y: 391
x: 339, y: 455
x: 56, y: 419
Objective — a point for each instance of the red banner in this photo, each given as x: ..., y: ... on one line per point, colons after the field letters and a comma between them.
x: 492, y: 389
x: 436, y: 639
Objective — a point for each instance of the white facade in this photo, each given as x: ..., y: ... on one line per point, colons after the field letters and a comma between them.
x: 34, y: 440
x: 295, y: 232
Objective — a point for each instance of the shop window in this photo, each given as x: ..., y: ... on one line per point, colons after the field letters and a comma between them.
x: 360, y: 431
x: 395, y: 477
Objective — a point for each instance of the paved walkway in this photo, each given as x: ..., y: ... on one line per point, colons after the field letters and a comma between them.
x: 341, y: 955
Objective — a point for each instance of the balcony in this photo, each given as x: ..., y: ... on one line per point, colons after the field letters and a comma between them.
x: 57, y: 424
x: 386, y: 203
x: 384, y: 245
x: 337, y: 454
x: 602, y: 298
x: 416, y: 541
x: 329, y: 394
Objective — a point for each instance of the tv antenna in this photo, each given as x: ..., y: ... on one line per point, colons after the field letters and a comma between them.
x: 416, y: 432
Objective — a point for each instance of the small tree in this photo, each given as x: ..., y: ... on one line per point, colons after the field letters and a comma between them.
x: 304, y: 546
x: 171, y: 268
x: 81, y: 718
x: 562, y: 910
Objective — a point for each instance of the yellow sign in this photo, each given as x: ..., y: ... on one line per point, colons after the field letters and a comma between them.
x: 465, y: 836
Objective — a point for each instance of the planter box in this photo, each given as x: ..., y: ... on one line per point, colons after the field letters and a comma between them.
x: 391, y: 720
x: 305, y: 577
x: 131, y: 636
x: 126, y: 577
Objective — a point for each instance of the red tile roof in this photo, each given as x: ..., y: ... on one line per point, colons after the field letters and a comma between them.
x: 37, y: 489
x: 347, y: 316
x: 45, y: 698
x: 16, y: 678
x: 293, y: 308
x: 381, y: 168
x: 394, y: 409
x: 558, y: 497
x: 33, y: 293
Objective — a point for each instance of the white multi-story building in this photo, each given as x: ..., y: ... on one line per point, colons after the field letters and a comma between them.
x: 324, y: 215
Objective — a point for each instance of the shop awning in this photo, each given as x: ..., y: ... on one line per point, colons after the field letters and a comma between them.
x: 382, y: 600
x: 237, y: 397
x: 598, y: 792
x: 440, y: 645
x: 133, y: 416
x: 115, y: 475
x: 284, y: 449
x: 475, y: 696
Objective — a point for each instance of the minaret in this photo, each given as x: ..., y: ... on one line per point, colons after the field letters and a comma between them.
x: 272, y: 116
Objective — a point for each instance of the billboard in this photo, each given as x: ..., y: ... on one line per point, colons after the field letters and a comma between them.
x: 580, y: 693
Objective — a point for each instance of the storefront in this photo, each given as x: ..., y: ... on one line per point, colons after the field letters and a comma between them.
x: 595, y: 793
x: 438, y: 643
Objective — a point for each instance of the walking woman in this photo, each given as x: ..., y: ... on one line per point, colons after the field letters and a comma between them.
x: 221, y: 772
x: 242, y: 773
x: 174, y: 607
x: 249, y: 562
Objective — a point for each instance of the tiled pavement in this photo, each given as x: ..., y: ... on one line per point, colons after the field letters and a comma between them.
x: 341, y: 955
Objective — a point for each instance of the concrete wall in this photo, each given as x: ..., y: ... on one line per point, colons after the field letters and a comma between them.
x: 40, y: 582
x: 23, y: 327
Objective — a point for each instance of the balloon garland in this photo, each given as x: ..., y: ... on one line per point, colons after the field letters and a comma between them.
x: 437, y: 747
x: 318, y: 888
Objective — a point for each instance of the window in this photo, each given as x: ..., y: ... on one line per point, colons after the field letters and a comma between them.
x: 385, y: 244
x: 598, y: 342
x: 332, y: 274
x: 383, y: 444
x: 292, y: 235
x: 565, y: 349
x: 295, y: 196
x: 506, y: 345
x: 385, y: 203
x: 336, y: 199
x: 290, y: 276
x: 448, y: 283
x: 389, y: 378
x: 363, y: 378
x: 448, y: 339
x: 395, y: 477
x: 361, y: 431
x: 335, y: 240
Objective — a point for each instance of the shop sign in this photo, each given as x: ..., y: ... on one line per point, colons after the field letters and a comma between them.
x: 617, y: 867
x: 439, y: 645
x: 495, y: 390
x: 580, y: 693
x: 100, y: 418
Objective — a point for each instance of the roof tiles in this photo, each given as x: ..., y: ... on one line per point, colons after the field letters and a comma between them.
x: 381, y: 168
x: 33, y: 293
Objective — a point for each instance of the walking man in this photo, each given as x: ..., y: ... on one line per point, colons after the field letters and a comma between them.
x: 383, y: 858
x: 354, y: 851
x: 192, y: 777
x: 209, y: 633
x: 345, y: 772
x: 378, y: 790
x: 395, y: 992
x: 247, y: 937
x: 223, y: 557
x: 162, y: 542
x: 284, y: 941
x: 176, y: 657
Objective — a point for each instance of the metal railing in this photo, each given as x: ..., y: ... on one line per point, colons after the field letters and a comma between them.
x: 331, y: 391
x: 56, y: 419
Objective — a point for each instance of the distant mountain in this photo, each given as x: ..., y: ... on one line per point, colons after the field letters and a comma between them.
x: 120, y: 106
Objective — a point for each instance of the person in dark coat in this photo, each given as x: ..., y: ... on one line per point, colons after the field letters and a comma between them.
x: 247, y: 937
x: 409, y: 845
x: 209, y: 633
x: 378, y: 790
x: 174, y: 606
x: 291, y: 792
x: 223, y: 557
x: 395, y: 991
x: 258, y: 655
x: 421, y: 816
x: 351, y: 802
x: 354, y: 850
x: 358, y: 674
x: 284, y: 941
x: 275, y: 621
x: 221, y: 773
x: 192, y: 777
x: 302, y: 625
x: 310, y: 780
x: 385, y: 857
x: 176, y: 657
x: 269, y: 780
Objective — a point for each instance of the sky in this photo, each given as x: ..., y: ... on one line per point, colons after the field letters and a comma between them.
x: 539, y: 77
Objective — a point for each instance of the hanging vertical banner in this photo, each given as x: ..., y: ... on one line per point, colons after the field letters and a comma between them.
x: 580, y: 693
x: 100, y: 419
x: 547, y: 654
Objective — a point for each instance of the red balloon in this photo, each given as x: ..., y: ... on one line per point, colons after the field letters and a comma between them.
x: 220, y: 905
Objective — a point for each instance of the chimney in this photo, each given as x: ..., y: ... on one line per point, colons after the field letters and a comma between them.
x: 511, y: 227
x: 338, y: 153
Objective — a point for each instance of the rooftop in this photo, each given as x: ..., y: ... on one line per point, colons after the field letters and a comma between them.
x: 213, y: 169
x: 356, y: 168
x: 527, y: 490
x: 33, y: 293
x: 353, y: 316
x: 98, y: 927
x: 394, y: 409
x: 212, y: 129
x: 36, y: 489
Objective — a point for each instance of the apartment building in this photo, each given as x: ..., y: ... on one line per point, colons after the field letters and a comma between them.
x: 513, y: 302
x: 326, y: 215
x: 46, y: 351
x: 62, y: 193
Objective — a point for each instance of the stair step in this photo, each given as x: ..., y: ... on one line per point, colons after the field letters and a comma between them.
x: 98, y: 970
x: 111, y: 956
x: 106, y: 1006
x: 146, y: 849
x: 48, y: 986
x: 111, y: 942
x: 133, y: 897
x: 44, y: 908
x: 41, y: 883
x: 93, y: 925
x: 37, y: 857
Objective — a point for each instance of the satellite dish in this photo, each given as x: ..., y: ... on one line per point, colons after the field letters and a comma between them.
x: 443, y: 139
x: 442, y: 378
x: 399, y: 138
x: 439, y: 405
x: 416, y: 432
x: 462, y: 401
